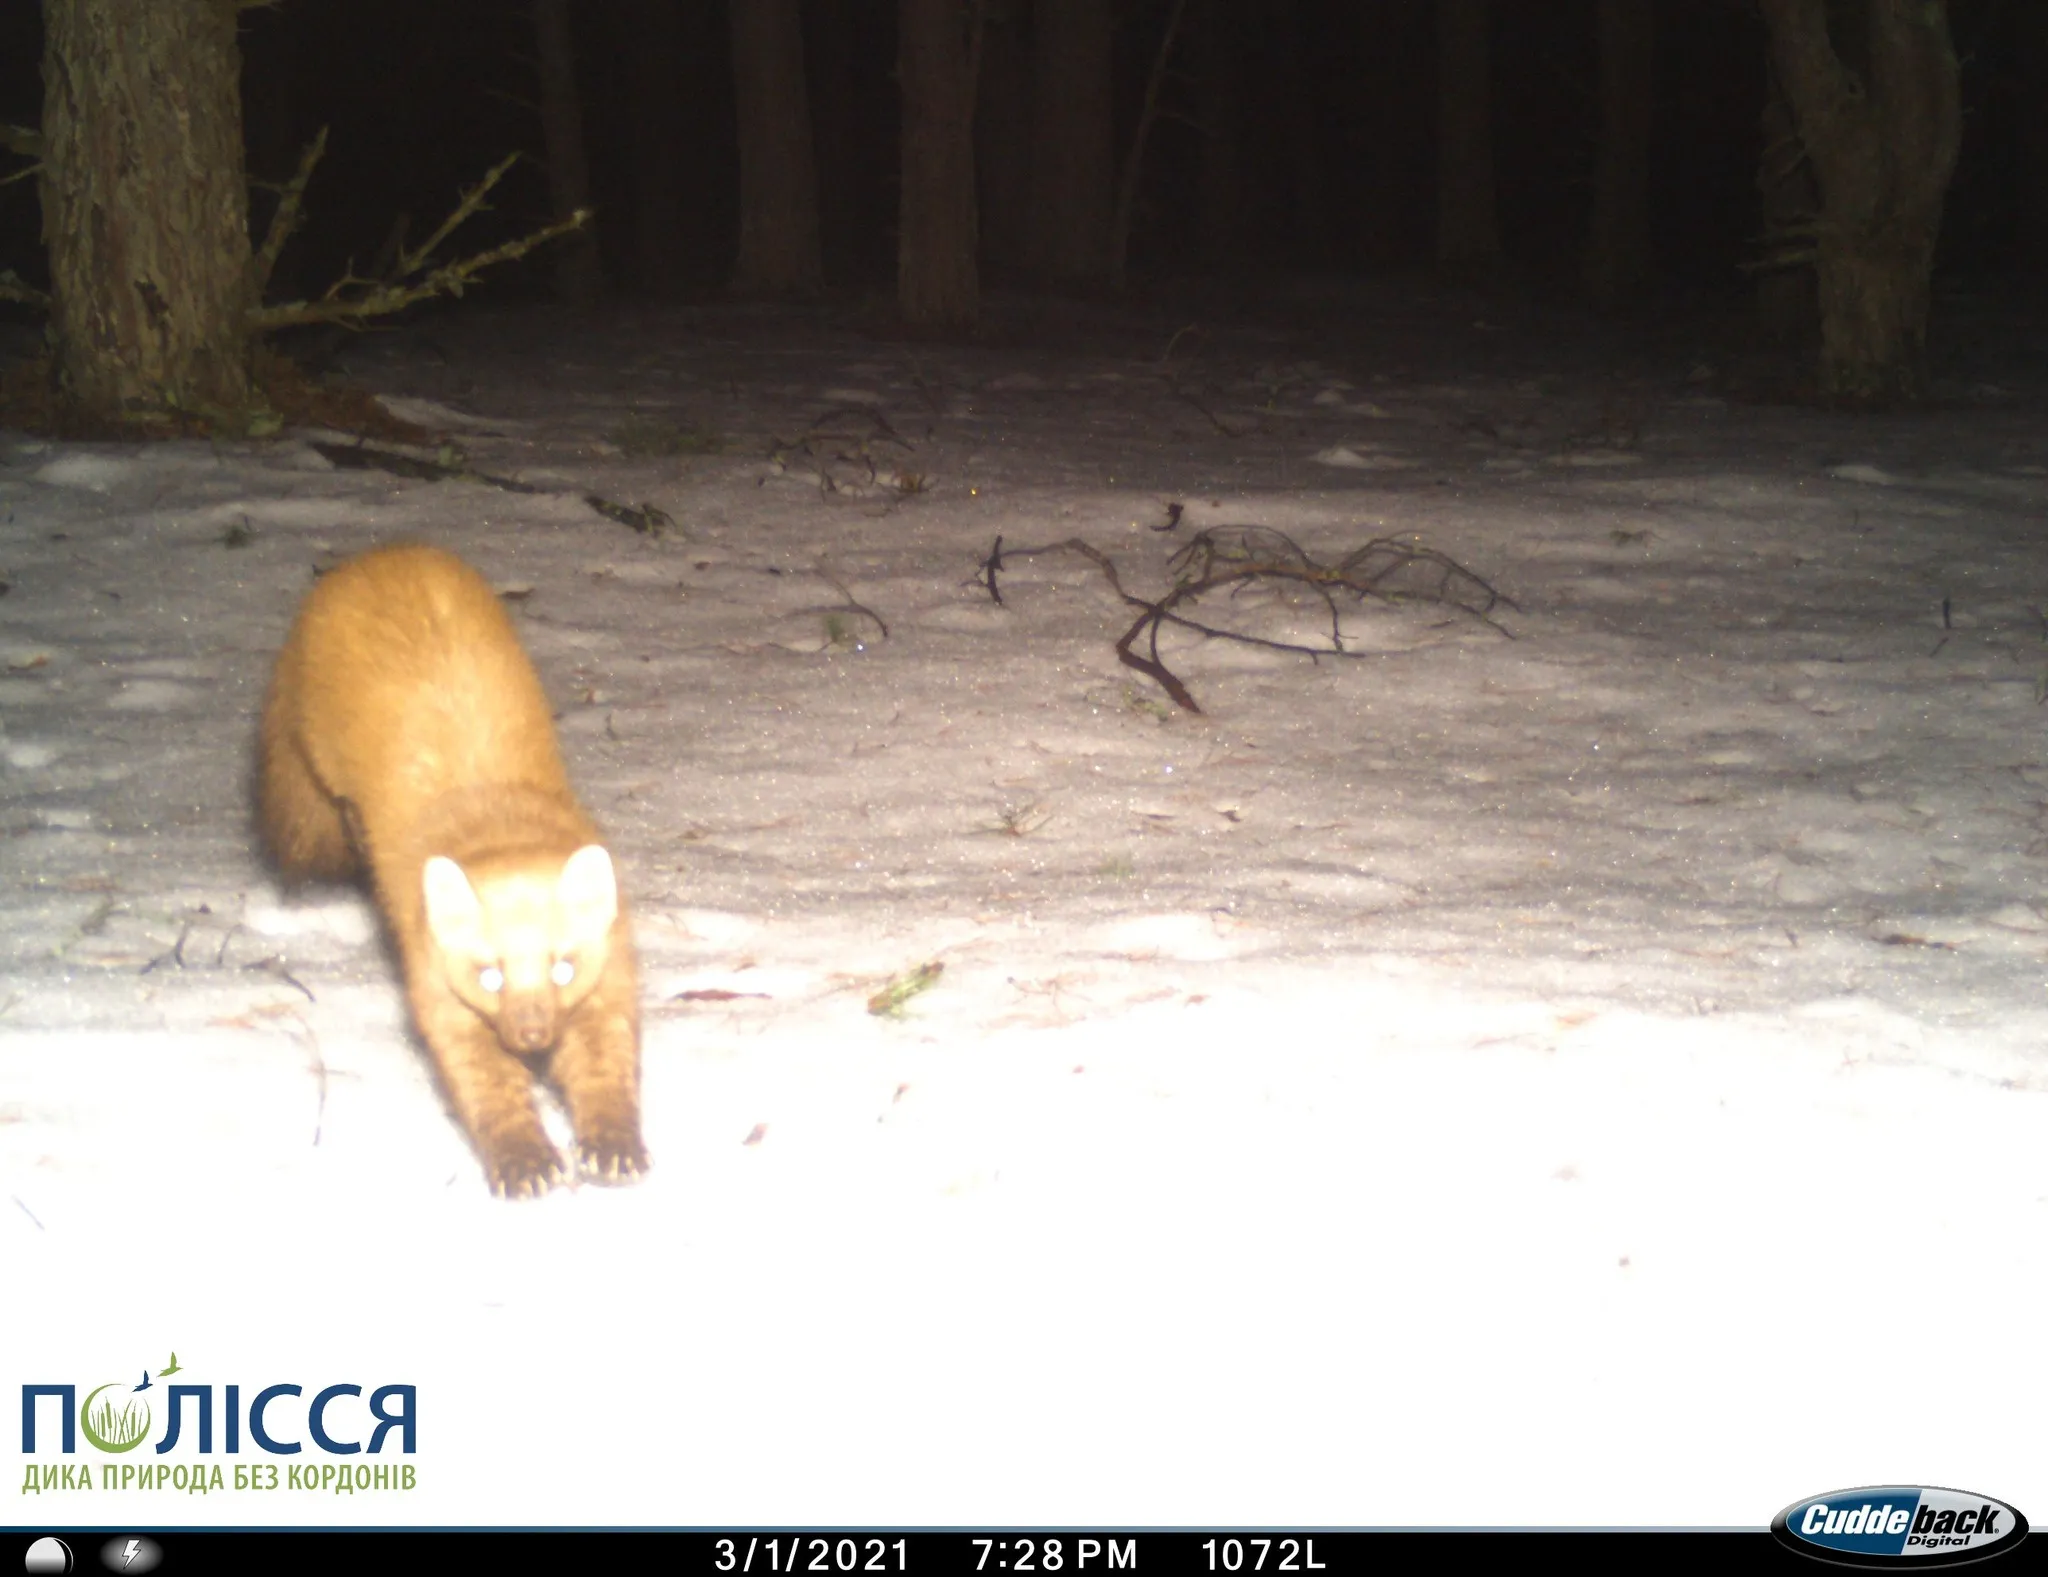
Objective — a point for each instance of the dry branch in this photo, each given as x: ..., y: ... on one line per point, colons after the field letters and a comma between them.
x: 646, y: 519
x: 12, y: 289
x: 377, y: 298
x: 1233, y: 557
x: 290, y: 205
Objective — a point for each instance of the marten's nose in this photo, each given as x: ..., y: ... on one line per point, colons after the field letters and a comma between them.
x: 527, y: 1024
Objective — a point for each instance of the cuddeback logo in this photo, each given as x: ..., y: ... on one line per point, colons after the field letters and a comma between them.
x: 1896, y: 1523
x: 277, y: 1421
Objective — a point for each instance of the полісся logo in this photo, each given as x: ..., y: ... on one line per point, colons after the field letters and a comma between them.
x: 316, y: 1429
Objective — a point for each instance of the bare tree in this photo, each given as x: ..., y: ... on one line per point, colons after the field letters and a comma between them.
x: 1218, y: 72
x: 1468, y: 224
x: 1002, y: 140
x: 1073, y: 144
x: 778, y: 179
x: 654, y: 89
x: 938, y: 285
x: 1134, y: 156
x: 1882, y: 138
x: 145, y: 210
x: 1618, y: 251
x: 578, y: 278
x: 1311, y: 202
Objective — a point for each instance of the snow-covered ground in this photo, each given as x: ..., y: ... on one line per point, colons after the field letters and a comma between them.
x: 1598, y: 1076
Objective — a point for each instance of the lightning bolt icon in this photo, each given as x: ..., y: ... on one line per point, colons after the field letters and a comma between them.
x: 128, y: 1554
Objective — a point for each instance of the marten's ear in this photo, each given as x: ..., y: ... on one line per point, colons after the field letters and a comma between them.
x: 588, y: 890
x: 455, y: 918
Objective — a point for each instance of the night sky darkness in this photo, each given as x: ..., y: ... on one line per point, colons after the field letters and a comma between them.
x: 423, y: 95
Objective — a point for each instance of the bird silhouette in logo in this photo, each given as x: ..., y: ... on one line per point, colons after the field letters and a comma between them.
x: 170, y: 1368
x: 145, y: 1381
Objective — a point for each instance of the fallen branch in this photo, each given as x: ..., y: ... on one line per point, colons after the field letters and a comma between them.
x: 646, y: 519
x: 812, y: 456
x: 1234, y: 557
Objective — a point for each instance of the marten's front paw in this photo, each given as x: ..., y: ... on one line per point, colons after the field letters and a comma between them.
x: 523, y: 1169
x: 611, y: 1158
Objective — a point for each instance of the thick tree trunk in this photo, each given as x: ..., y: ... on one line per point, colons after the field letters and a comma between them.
x: 145, y: 209
x: 1618, y: 251
x: 578, y: 279
x: 1002, y: 142
x: 1882, y: 142
x: 937, y: 284
x: 778, y: 252
x: 654, y: 84
x: 1786, y: 305
x: 1467, y: 222
x: 1073, y: 145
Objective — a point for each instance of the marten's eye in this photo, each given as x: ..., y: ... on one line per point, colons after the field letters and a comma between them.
x: 563, y: 972
x: 491, y: 978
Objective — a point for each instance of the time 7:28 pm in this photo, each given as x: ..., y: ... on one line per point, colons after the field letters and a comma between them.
x: 1043, y: 1555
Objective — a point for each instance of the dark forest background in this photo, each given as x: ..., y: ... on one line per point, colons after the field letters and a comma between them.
x: 1336, y: 135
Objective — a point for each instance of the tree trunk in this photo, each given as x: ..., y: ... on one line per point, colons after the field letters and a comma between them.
x: 578, y: 279
x: 145, y: 210
x: 1618, y: 252
x: 1882, y: 142
x: 844, y: 206
x: 1381, y: 98
x: 1002, y: 143
x: 937, y: 285
x: 778, y: 252
x: 1311, y: 214
x: 1126, y: 213
x: 1073, y: 152
x: 1467, y: 223
x: 653, y: 82
x: 1786, y: 306
x: 1219, y: 86
x: 2030, y: 27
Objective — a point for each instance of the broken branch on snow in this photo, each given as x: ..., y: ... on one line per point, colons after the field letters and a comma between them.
x: 1236, y: 557
x: 646, y: 519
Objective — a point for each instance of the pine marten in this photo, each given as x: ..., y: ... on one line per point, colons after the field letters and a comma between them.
x: 406, y: 736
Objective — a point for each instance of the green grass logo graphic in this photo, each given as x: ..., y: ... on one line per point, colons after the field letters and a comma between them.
x: 111, y: 1430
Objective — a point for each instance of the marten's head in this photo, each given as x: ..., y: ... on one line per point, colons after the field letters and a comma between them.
x: 521, y: 940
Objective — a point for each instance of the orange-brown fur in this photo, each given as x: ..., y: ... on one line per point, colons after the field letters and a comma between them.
x: 404, y: 722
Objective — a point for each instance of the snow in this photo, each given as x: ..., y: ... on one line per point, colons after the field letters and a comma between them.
x: 1592, y: 1077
